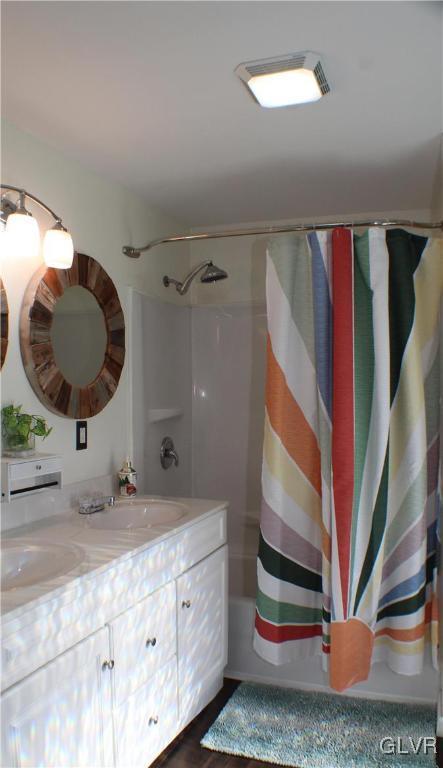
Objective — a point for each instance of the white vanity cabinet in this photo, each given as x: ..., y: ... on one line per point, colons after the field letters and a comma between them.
x: 202, y: 632
x: 119, y: 696
x: 62, y: 714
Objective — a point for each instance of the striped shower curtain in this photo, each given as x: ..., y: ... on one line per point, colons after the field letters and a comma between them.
x: 349, y: 537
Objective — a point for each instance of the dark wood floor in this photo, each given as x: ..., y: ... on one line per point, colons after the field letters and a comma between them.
x: 186, y: 752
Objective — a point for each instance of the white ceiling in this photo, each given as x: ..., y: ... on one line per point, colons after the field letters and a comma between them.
x: 144, y: 93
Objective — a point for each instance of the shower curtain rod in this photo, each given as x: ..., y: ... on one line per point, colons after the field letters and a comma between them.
x: 134, y: 253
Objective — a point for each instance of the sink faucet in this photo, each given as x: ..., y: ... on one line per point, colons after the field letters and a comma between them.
x: 93, y: 504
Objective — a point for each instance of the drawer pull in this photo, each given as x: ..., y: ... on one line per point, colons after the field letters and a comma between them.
x: 153, y: 720
x: 108, y: 665
x: 186, y: 603
x: 151, y: 641
x: 38, y: 466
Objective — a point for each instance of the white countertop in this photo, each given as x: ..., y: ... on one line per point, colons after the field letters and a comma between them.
x: 101, y: 547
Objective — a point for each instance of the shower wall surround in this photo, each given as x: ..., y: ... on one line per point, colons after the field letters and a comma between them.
x: 161, y: 385
x: 200, y: 380
x: 228, y: 363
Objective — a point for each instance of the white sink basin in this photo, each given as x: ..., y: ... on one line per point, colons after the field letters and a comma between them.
x: 144, y: 513
x: 24, y: 563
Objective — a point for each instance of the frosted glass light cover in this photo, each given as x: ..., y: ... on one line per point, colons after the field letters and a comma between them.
x: 281, y: 89
x: 23, y: 235
x: 58, y: 249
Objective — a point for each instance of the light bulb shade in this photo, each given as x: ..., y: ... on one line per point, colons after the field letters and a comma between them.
x: 280, y: 89
x: 23, y: 235
x: 58, y: 248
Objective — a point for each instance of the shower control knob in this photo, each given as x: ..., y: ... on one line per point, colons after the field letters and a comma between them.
x: 186, y: 604
x: 168, y: 454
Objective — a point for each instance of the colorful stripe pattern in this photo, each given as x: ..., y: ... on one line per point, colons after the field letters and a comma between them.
x: 352, y: 487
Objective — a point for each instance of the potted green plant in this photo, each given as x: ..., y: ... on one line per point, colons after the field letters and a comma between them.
x: 20, y: 429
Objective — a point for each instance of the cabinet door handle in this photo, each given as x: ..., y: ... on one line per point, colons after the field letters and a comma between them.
x: 151, y: 641
x: 153, y: 720
x: 108, y: 665
x: 186, y: 603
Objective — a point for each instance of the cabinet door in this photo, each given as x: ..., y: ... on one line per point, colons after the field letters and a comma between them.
x: 147, y: 721
x: 202, y: 631
x: 61, y: 715
x: 143, y: 640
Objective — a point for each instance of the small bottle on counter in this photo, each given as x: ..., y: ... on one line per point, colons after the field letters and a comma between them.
x: 127, y: 480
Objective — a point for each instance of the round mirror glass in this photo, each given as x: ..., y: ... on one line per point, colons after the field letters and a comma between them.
x: 78, y: 336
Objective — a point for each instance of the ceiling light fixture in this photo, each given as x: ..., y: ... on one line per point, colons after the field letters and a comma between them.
x: 23, y: 235
x: 282, y: 81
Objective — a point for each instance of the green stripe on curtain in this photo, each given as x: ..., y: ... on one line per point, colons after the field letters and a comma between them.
x: 364, y: 368
x: 405, y: 251
x: 286, y: 613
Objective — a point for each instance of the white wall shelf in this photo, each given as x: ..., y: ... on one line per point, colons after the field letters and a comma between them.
x: 162, y: 414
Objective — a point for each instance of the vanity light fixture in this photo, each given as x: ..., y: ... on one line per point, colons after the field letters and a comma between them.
x: 58, y: 249
x: 23, y: 235
x: 282, y: 81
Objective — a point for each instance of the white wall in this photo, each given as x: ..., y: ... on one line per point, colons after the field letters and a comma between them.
x: 102, y: 217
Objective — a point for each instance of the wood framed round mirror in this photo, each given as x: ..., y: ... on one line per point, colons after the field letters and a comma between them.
x: 4, y: 308
x: 72, y: 337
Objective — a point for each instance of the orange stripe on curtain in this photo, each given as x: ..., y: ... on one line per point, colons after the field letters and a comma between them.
x: 413, y: 633
x: 289, y: 423
x: 351, y: 650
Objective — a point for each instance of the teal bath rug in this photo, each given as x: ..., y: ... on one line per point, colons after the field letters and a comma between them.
x: 317, y: 730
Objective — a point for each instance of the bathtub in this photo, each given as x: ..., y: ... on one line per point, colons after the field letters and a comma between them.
x: 242, y: 574
x: 307, y: 674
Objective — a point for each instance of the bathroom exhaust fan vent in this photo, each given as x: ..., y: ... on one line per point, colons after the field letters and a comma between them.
x: 296, y: 78
x: 279, y: 64
x: 321, y: 79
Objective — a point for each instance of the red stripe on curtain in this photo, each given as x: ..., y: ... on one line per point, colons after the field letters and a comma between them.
x: 343, y: 400
x: 282, y: 632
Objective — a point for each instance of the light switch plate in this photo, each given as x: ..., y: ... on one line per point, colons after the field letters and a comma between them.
x: 81, y: 435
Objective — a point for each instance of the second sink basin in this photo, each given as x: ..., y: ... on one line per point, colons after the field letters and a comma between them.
x: 24, y: 563
x: 142, y: 513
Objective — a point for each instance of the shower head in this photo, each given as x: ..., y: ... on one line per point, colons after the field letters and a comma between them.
x: 211, y: 274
